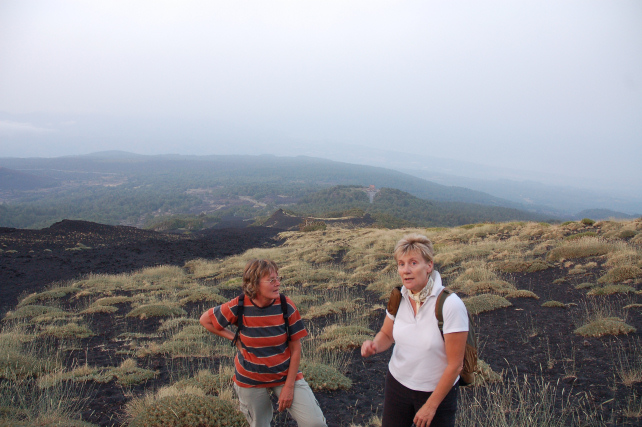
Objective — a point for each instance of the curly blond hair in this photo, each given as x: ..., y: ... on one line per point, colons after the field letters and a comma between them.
x: 254, y: 271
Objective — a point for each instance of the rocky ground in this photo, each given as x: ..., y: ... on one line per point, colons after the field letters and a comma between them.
x: 525, y: 339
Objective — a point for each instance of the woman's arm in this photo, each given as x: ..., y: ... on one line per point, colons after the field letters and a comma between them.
x: 455, y: 348
x: 382, y: 341
x: 287, y: 392
x: 206, y: 321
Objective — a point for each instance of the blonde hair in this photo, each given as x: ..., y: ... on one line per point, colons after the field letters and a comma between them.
x: 415, y: 243
x: 254, y: 271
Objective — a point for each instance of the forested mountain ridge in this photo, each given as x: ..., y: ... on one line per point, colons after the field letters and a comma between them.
x: 121, y: 188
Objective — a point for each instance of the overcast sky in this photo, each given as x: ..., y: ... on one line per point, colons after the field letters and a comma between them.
x: 545, y: 86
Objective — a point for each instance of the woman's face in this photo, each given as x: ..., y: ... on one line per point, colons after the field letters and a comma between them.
x: 268, y: 291
x: 414, y: 270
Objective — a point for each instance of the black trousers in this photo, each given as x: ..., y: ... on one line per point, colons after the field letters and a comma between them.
x: 400, y: 404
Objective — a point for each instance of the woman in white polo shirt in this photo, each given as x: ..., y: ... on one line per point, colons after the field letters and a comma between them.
x: 423, y: 373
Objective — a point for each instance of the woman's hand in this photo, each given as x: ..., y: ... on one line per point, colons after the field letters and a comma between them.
x: 286, y: 397
x: 424, y: 416
x: 368, y: 348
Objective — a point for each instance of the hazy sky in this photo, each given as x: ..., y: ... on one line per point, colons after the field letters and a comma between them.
x: 546, y: 86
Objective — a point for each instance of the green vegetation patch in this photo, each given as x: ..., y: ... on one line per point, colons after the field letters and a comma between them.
x: 30, y: 311
x: 620, y: 274
x: 485, y: 374
x: 156, y: 310
x: 611, y: 289
x: 70, y: 330
x: 344, y: 342
x: 580, y: 235
x: 113, y: 300
x: 128, y: 373
x: 324, y: 377
x: 587, y: 221
x: 521, y: 293
x: 49, y: 295
x: 187, y: 410
x: 487, y: 302
x: 209, y: 382
x: 579, y: 248
x: 605, y: 326
x: 330, y: 307
x: 554, y: 304
x: 96, y: 309
x: 585, y: 285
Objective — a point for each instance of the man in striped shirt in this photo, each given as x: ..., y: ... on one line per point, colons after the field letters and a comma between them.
x: 269, y: 353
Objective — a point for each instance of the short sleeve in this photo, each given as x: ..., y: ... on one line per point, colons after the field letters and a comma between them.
x: 455, y: 315
x: 297, y: 328
x: 225, y: 314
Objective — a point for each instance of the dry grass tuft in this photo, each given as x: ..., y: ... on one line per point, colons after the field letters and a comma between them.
x: 610, y: 290
x: 620, y: 274
x: 554, y: 304
x: 579, y: 248
x: 156, y: 310
x: 487, y: 302
x: 605, y: 326
x: 521, y: 293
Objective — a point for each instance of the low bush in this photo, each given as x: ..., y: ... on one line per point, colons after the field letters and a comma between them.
x: 30, y: 311
x: 620, y: 274
x: 579, y: 248
x: 605, y: 326
x: 69, y: 330
x: 187, y: 410
x: 554, y: 304
x: 610, y: 290
x: 521, y: 293
x: 587, y: 221
x: 324, y: 377
x: 487, y: 302
x: 156, y: 310
x: 49, y: 295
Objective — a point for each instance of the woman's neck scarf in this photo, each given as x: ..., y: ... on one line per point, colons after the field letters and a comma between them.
x: 420, y: 297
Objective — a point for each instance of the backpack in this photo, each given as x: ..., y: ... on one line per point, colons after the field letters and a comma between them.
x: 467, y: 374
x: 239, y: 318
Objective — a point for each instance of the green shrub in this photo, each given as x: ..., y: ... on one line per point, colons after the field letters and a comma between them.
x: 521, y: 293
x: 156, y: 310
x: 29, y: 311
x: 605, y: 326
x: 587, y: 221
x: 580, y: 235
x: 579, y: 248
x: 610, y: 290
x: 519, y: 266
x: 210, y: 383
x: 201, y: 294
x: 626, y: 234
x: 313, y: 226
x: 585, y: 285
x: 70, y: 330
x: 95, y: 309
x: 486, y: 302
x: 128, y: 373
x: 113, y: 300
x: 49, y: 295
x: 620, y: 274
x: 554, y: 304
x: 324, y: 377
x: 188, y: 410
x: 344, y: 342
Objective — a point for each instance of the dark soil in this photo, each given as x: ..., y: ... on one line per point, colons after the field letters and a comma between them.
x: 525, y: 339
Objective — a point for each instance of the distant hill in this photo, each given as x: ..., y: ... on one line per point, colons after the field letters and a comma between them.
x: 392, y: 208
x: 124, y: 189
x: 12, y: 180
x: 601, y: 214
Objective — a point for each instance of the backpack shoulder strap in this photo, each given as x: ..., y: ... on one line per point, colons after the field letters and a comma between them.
x: 394, y: 301
x: 439, y: 309
x: 284, y: 309
x: 239, y: 319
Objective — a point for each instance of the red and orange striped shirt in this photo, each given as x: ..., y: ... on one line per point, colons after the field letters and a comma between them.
x: 265, y: 356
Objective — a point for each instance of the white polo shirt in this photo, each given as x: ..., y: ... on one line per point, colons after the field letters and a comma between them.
x: 419, y: 356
